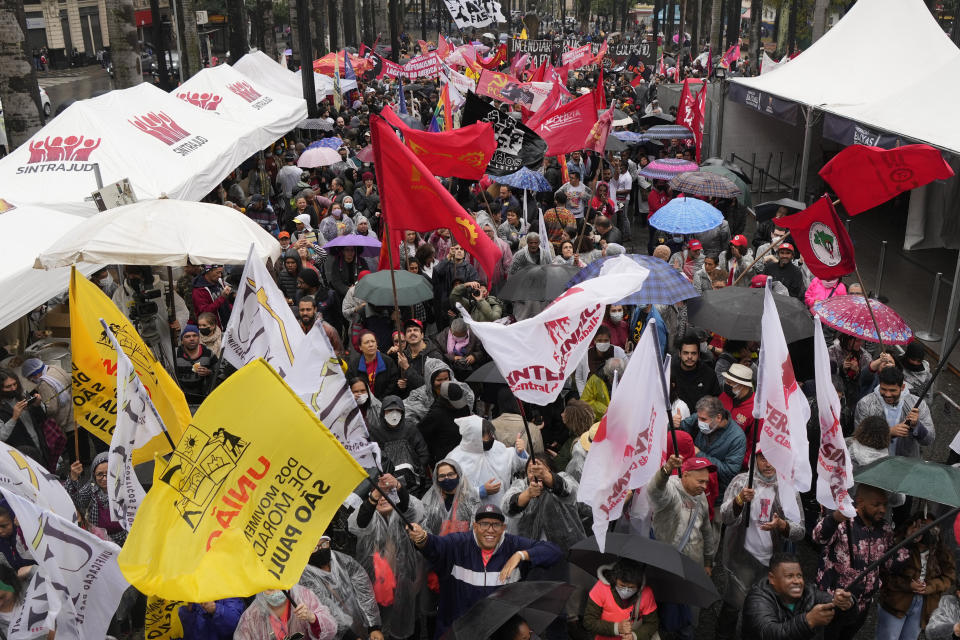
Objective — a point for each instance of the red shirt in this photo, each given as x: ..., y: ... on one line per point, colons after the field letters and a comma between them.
x: 656, y: 200
x: 742, y: 414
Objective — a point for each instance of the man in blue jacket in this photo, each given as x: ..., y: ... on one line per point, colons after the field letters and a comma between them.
x: 717, y: 438
x: 472, y: 565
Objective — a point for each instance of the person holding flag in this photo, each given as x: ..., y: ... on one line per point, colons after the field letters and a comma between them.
x: 92, y: 499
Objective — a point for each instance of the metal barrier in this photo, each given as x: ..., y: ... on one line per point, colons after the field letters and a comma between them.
x: 929, y: 335
x: 763, y: 178
x: 883, y: 257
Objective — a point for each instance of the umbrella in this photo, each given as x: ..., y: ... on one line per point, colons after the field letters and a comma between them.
x: 667, y: 168
x: 735, y: 312
x: 411, y: 121
x: 766, y: 210
x: 664, y: 285
x: 704, y: 183
x: 668, y: 131
x: 318, y: 157
x: 731, y: 166
x: 620, y: 119
x: 524, y: 179
x: 368, y: 246
x: 686, y: 215
x: 365, y: 154
x: 744, y: 197
x: 615, y: 144
x: 538, y: 283
x: 653, y: 119
x: 331, y: 143
x: 914, y: 477
x: 162, y: 232
x: 538, y: 602
x: 315, y: 124
x: 326, y: 64
x: 377, y: 289
x: 673, y: 576
x: 849, y: 314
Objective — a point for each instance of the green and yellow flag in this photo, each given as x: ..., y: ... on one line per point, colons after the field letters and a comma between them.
x: 239, y: 507
x: 95, y: 369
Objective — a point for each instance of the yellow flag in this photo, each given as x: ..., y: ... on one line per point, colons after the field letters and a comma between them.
x: 95, y: 369
x: 253, y: 483
x: 162, y: 620
x: 523, y: 34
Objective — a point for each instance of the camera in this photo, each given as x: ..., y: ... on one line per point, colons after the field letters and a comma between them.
x: 33, y: 397
x: 142, y: 306
x: 476, y: 293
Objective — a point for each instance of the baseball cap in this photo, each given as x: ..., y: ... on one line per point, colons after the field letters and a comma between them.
x: 454, y: 394
x: 739, y: 240
x: 785, y: 245
x: 489, y: 511
x: 413, y: 322
x: 758, y: 281
x: 695, y: 245
x: 695, y: 464
x: 283, y: 234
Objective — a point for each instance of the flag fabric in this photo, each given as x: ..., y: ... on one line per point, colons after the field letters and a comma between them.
x: 822, y: 240
x: 137, y: 423
x: 536, y: 355
x: 564, y: 169
x: 239, y: 508
x: 601, y: 52
x: 577, y: 57
x: 412, y: 199
x: 699, y: 120
x: 599, y: 132
x: 474, y: 13
x: 631, y: 440
x: 567, y: 128
x: 834, y: 469
x: 401, y: 99
x: 784, y: 410
x: 348, y: 73
x: 540, y: 73
x: 464, y: 152
x: 731, y: 56
x: 434, y: 126
x: 494, y: 61
x: 29, y: 479
x: 499, y: 86
x: 686, y: 107
x: 661, y: 69
x: 94, y: 369
x: 542, y: 229
x: 600, y: 92
x: 517, y: 145
x: 551, y: 103
x: 36, y: 614
x: 447, y: 109
x: 864, y: 177
x: 443, y: 47
x: 262, y: 325
x: 162, y: 619
x: 81, y: 584
x: 523, y: 33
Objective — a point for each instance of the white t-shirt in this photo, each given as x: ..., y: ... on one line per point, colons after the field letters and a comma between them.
x: 758, y: 542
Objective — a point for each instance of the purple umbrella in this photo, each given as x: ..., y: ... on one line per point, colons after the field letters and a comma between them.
x: 368, y: 246
x: 667, y: 168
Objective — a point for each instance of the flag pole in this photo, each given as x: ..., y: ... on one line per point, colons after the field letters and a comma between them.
x: 866, y: 299
x: 526, y: 427
x: 652, y: 326
x: 936, y: 372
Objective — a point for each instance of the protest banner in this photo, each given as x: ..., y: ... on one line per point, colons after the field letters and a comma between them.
x: 517, y: 145
x: 474, y: 13
x: 540, y: 51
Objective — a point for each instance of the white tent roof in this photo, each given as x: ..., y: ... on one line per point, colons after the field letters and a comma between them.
x: 162, y: 144
x: 269, y: 73
x: 227, y: 92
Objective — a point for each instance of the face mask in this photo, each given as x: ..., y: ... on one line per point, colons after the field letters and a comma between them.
x: 348, y: 205
x: 275, y: 599
x: 909, y: 366
x: 616, y: 316
x: 704, y: 426
x: 487, y: 445
x: 320, y: 557
x: 206, y: 331
x: 393, y: 417
x: 337, y: 213
x: 729, y: 390
x: 626, y: 593
x: 602, y: 347
x: 448, y: 484
x: 8, y: 394
x: 362, y: 398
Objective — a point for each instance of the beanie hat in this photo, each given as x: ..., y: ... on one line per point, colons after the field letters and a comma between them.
x: 31, y: 367
x: 190, y: 328
x: 309, y: 277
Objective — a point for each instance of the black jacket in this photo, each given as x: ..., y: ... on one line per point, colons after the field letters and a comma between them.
x: 693, y: 385
x: 403, y: 444
x: 789, y: 276
x: 385, y: 382
x: 765, y: 617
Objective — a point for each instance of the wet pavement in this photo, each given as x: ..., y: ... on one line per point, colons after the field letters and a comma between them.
x: 73, y: 84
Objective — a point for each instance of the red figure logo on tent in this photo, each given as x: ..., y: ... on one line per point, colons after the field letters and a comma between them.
x: 244, y: 90
x: 160, y: 126
x: 206, y: 101
x: 60, y: 149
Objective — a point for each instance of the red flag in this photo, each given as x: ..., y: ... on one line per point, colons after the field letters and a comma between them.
x: 564, y: 171
x: 597, y: 139
x: 864, y: 177
x: 699, y: 119
x: 576, y: 58
x: 497, y: 85
x: 462, y: 153
x: 413, y: 199
x: 540, y: 72
x: 443, y: 47
x: 662, y: 70
x: 424, y: 47
x: 566, y: 129
x: 600, y: 92
x: 494, y: 61
x: 822, y: 240
x: 685, y: 108
x: 551, y: 102
x: 597, y: 59
x: 637, y: 79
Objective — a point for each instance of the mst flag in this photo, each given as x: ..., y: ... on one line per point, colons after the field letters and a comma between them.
x: 94, y: 369
x: 864, y: 177
x: 29, y: 479
x: 137, y: 423
x: 239, y: 508
x: 81, y: 584
x: 567, y: 128
x: 822, y: 240
x: 834, y: 469
x: 474, y: 13
x: 536, y: 355
x: 631, y: 440
x: 784, y: 410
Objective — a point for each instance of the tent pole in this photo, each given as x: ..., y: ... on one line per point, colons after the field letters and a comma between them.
x: 954, y: 305
x: 805, y: 160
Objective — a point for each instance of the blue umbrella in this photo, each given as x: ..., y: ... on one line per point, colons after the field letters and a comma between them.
x: 686, y: 215
x: 333, y: 143
x: 664, y: 285
x: 524, y: 179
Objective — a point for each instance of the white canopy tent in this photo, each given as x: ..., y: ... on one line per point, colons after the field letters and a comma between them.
x: 262, y: 69
x: 226, y: 92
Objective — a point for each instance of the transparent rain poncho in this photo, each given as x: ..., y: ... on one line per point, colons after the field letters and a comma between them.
x: 547, y: 516
x: 439, y: 520
x: 346, y: 591
x: 255, y: 622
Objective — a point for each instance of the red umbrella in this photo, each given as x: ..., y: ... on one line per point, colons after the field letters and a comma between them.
x: 325, y: 64
x: 365, y: 154
x: 849, y: 314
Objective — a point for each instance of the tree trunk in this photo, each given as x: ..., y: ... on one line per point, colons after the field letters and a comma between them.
x: 321, y: 28
x: 657, y: 6
x: 695, y: 28
x: 294, y: 30
x: 265, y: 11
x: 237, y: 24
x: 369, y: 31
x: 19, y: 91
x: 335, y: 25
x: 393, y: 16
x: 716, y: 22
x: 756, y: 24
x: 733, y: 22
x: 792, y: 26
x: 350, y: 36
x: 124, y: 44
x: 191, y: 60
x: 583, y: 15
x: 820, y: 19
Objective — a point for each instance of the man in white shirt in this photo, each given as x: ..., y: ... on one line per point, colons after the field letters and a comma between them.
x: 620, y: 185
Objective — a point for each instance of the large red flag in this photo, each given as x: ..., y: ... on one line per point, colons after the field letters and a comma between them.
x: 551, y: 102
x: 540, y: 73
x: 494, y: 61
x: 600, y: 91
x: 411, y: 198
x: 864, y: 177
x: 597, y: 139
x: 566, y: 129
x: 685, y: 108
x: 461, y: 153
x: 822, y: 240
x: 699, y: 119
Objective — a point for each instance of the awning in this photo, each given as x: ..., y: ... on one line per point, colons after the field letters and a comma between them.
x: 143, y: 18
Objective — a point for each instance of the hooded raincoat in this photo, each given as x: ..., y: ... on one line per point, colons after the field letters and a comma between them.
x: 346, y: 591
x: 499, y: 463
x: 441, y: 517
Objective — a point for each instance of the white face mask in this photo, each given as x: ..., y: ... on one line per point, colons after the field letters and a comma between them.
x: 348, y: 205
x: 362, y: 398
x: 626, y: 593
x: 602, y: 347
x: 393, y: 417
x: 704, y: 426
x: 616, y: 316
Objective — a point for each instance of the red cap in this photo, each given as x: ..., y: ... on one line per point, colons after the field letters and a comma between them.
x: 283, y: 234
x: 694, y: 245
x: 785, y: 245
x: 758, y: 282
x: 740, y: 241
x: 361, y: 275
x: 695, y: 464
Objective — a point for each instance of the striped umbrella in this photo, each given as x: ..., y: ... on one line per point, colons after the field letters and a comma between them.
x: 744, y: 197
x: 667, y: 168
x: 668, y: 131
x: 664, y: 285
x: 704, y: 183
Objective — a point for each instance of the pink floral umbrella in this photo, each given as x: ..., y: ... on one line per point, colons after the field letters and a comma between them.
x: 849, y: 314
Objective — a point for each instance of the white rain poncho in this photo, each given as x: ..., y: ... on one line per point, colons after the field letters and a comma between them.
x: 346, y: 591
x: 438, y: 519
x: 479, y: 466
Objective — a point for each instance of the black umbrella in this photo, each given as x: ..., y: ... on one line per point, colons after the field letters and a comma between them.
x: 539, y: 283
x: 538, y: 602
x: 412, y: 121
x: 729, y: 166
x: 673, y: 576
x: 766, y: 210
x: 489, y: 374
x: 653, y: 119
x: 735, y: 313
x: 615, y: 144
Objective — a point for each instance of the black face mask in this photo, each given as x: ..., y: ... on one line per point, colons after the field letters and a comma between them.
x: 487, y: 445
x: 206, y: 331
x: 909, y: 366
x: 320, y: 557
x: 9, y: 395
x: 729, y: 390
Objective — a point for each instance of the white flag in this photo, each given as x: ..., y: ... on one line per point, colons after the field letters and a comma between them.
x: 138, y: 422
x: 544, y: 237
x: 784, y: 409
x: 834, y: 469
x: 36, y: 614
x: 629, y: 445
x: 474, y: 13
x: 85, y: 581
x: 536, y: 355
x: 28, y: 478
